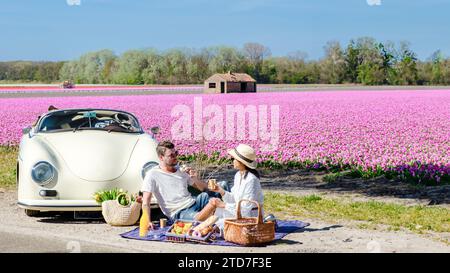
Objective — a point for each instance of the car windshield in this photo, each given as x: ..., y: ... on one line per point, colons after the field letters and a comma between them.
x: 107, y: 120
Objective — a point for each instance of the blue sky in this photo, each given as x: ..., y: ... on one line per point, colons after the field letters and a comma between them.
x: 63, y: 30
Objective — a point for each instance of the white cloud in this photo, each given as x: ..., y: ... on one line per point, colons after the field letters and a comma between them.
x: 73, y: 2
x: 374, y: 2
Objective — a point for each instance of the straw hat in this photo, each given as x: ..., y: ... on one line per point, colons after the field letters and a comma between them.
x: 244, y: 154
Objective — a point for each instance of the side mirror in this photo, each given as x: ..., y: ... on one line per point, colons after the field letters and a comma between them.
x: 26, y: 130
x: 155, y: 130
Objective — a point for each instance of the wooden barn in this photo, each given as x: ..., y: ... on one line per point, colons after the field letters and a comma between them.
x: 230, y: 83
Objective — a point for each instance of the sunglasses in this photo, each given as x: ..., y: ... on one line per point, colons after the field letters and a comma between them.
x: 173, y: 155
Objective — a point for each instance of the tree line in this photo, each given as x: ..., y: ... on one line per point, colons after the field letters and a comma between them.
x: 362, y: 61
x: 27, y: 71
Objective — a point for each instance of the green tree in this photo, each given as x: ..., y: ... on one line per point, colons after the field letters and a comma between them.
x: 255, y: 54
x: 406, y: 67
x: 437, y: 65
x: 92, y: 67
x: 371, y: 68
x: 224, y: 59
x: 389, y: 56
x: 197, y: 66
x: 332, y: 67
x: 269, y: 71
x: 153, y: 73
x: 128, y: 68
x: 48, y: 72
x: 352, y: 62
x: 176, y: 66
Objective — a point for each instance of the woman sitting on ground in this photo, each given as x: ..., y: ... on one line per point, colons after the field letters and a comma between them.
x: 246, y: 186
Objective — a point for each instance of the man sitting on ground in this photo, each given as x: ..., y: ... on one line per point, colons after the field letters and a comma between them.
x: 170, y: 187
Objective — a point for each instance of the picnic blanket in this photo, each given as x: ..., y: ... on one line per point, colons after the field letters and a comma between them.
x: 158, y: 234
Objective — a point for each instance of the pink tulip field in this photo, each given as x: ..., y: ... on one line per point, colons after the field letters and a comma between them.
x: 401, y: 133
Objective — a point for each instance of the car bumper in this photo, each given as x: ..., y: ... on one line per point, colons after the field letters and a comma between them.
x: 60, y: 205
x: 65, y: 205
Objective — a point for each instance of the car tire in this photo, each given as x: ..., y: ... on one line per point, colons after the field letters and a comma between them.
x: 32, y: 213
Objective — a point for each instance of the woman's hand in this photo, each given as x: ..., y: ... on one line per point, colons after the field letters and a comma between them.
x: 218, y: 189
x: 217, y: 202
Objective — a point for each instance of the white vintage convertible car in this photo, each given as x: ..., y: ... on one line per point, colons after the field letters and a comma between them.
x: 70, y: 154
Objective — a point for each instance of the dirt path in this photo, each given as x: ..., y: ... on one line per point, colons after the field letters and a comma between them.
x: 19, y: 233
x: 196, y: 89
x: 304, y: 182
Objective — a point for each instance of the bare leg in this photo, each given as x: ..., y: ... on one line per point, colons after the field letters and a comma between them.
x: 207, y: 211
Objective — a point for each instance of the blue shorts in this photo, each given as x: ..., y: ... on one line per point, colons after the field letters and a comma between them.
x: 200, y: 202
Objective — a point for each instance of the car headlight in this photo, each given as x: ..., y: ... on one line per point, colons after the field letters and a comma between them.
x: 147, y: 167
x: 42, y: 173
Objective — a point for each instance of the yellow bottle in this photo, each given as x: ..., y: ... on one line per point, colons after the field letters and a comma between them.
x: 143, y: 224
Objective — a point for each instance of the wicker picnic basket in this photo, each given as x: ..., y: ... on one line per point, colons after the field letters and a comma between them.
x: 116, y: 214
x: 250, y: 230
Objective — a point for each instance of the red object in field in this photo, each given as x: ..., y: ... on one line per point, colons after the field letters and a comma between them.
x: 67, y: 84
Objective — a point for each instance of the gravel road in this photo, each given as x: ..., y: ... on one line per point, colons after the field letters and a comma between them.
x: 20, y: 233
x: 261, y: 88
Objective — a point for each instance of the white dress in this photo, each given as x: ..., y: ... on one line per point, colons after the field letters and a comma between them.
x: 244, y: 188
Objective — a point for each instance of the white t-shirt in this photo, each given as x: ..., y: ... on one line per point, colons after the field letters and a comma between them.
x: 170, y: 189
x: 246, y: 188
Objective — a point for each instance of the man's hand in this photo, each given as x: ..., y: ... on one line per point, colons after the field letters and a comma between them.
x: 192, y: 173
x: 200, y: 185
x: 150, y: 226
x: 146, y: 199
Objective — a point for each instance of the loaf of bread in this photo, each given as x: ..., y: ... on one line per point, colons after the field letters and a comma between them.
x: 202, y: 227
x: 201, y: 233
x: 205, y: 231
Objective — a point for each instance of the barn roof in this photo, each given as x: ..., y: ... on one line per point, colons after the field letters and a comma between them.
x: 233, y: 77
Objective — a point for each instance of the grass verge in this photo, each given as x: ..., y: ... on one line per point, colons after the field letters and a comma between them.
x: 8, y: 159
x: 419, y: 219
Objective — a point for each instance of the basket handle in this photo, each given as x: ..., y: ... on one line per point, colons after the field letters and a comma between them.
x: 127, y: 197
x: 238, y: 210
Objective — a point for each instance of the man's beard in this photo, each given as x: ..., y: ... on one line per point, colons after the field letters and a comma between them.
x: 172, y: 164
